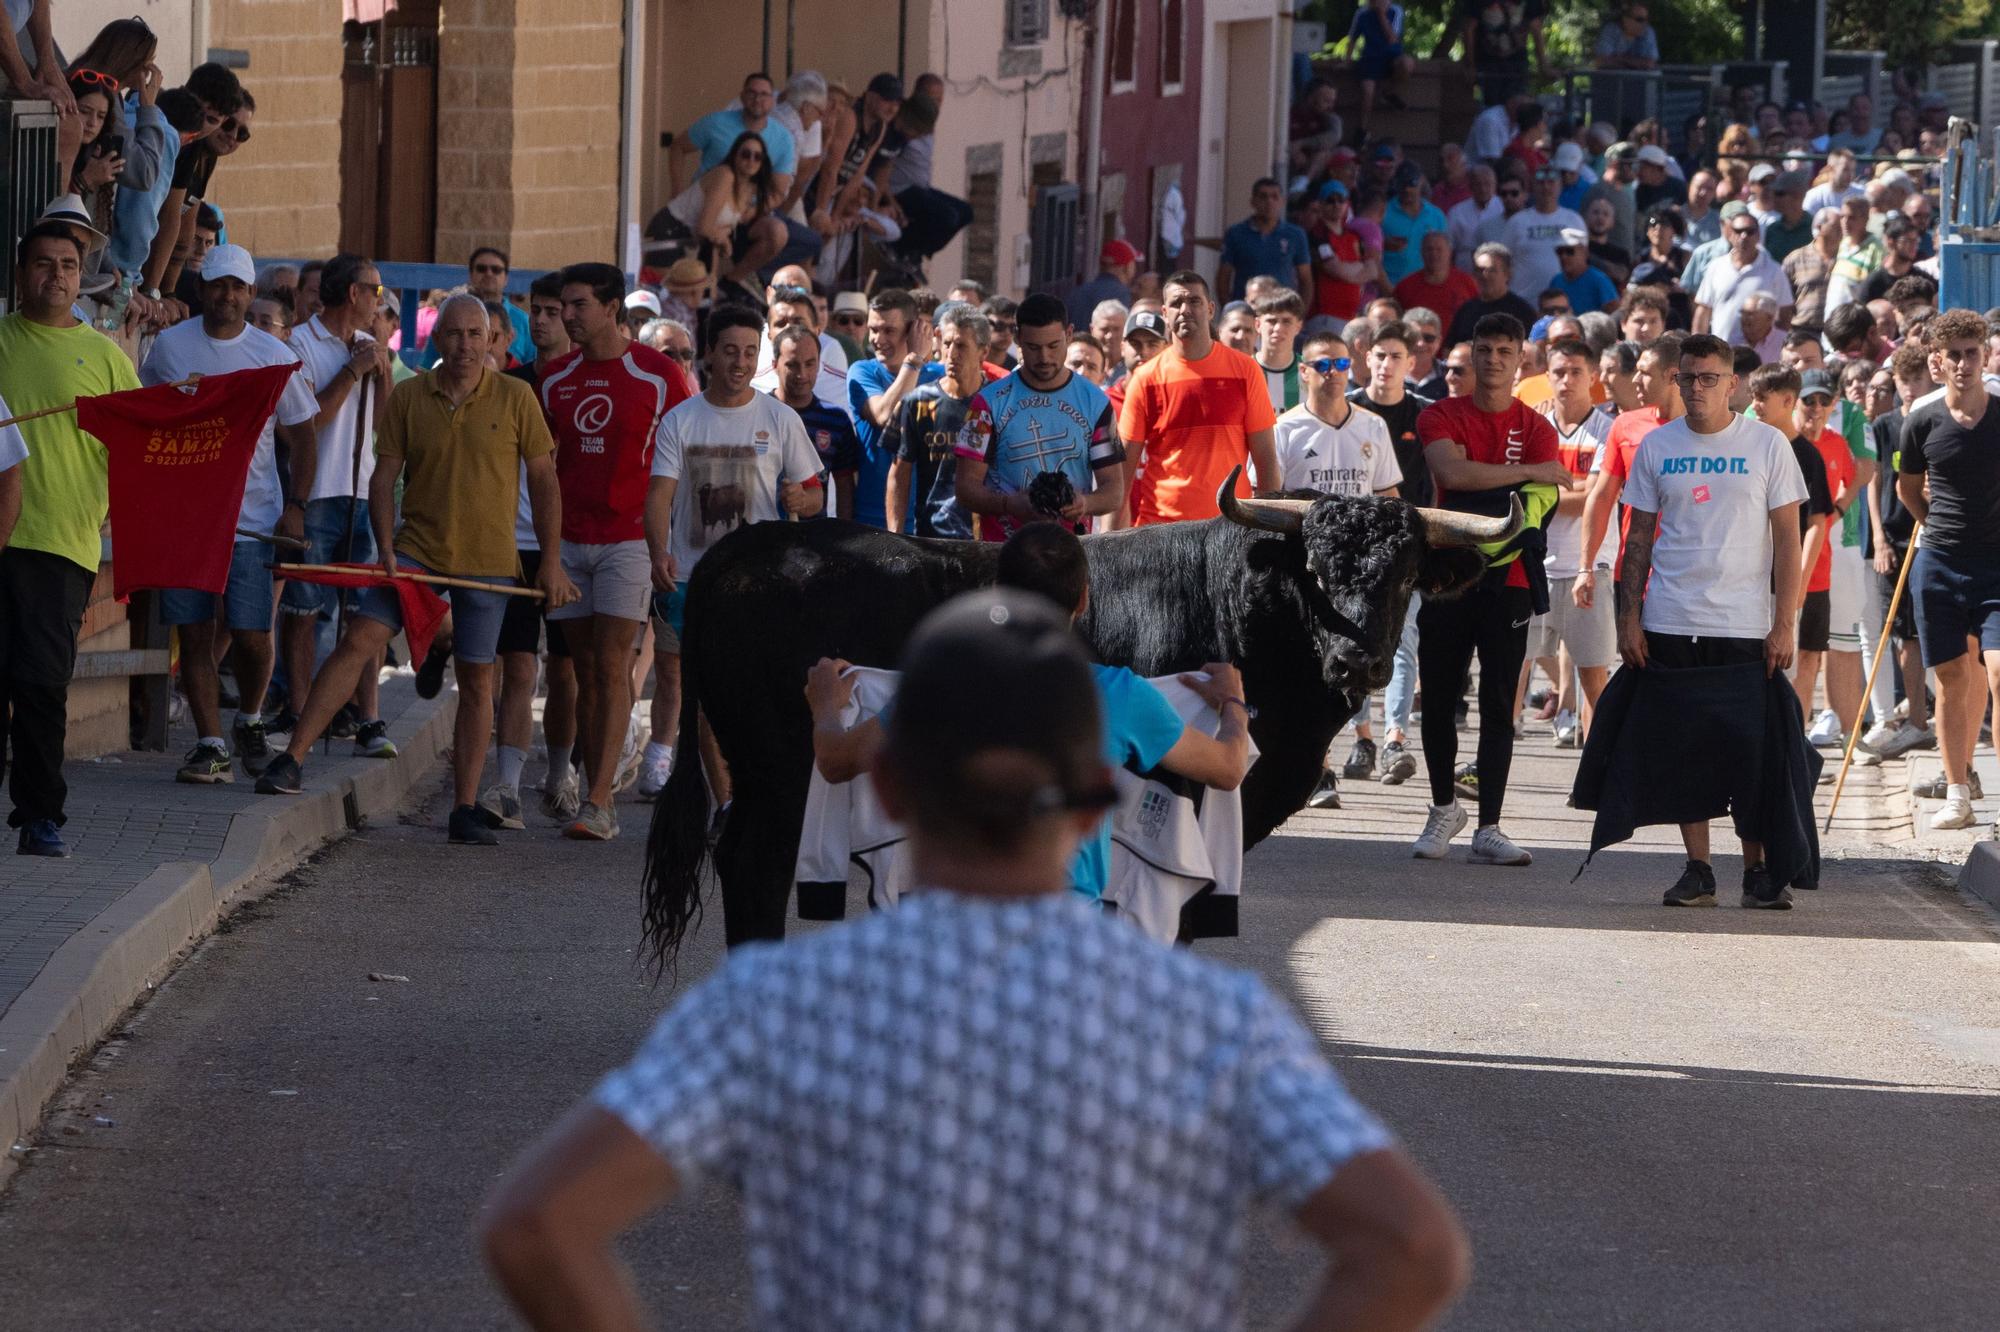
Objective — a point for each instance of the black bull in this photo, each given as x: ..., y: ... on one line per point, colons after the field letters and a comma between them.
x: 1306, y: 597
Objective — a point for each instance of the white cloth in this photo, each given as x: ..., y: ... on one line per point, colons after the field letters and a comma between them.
x: 1532, y: 238
x: 1173, y: 219
x: 1358, y: 458
x: 832, y: 382
x: 687, y: 205
x: 807, y: 141
x: 1166, y: 846
x: 1492, y: 131
x: 1830, y: 196
x: 322, y: 355
x: 1724, y: 288
x: 730, y: 462
x: 1714, y: 495
x: 984, y: 1113
x: 1462, y: 223
x: 1581, y: 448
x: 186, y: 349
x: 13, y: 445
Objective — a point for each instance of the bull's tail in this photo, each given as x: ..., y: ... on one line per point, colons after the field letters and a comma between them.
x: 677, y: 842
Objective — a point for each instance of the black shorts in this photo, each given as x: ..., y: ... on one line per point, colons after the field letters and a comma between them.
x: 1816, y: 621
x: 521, y: 627
x: 1905, y: 626
x: 1682, y: 652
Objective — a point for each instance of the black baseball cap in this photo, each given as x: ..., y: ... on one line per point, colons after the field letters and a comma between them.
x: 887, y: 87
x: 1146, y: 321
x: 1816, y: 383
x: 997, y: 713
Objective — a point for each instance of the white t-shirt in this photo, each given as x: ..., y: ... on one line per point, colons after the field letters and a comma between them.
x: 832, y: 382
x: 1357, y: 458
x: 1532, y: 238
x: 13, y: 446
x: 1580, y: 450
x: 1492, y: 131
x: 1724, y: 288
x: 1830, y: 196
x: 1463, y: 222
x: 186, y: 349
x: 1714, y: 495
x: 323, y: 354
x: 730, y: 462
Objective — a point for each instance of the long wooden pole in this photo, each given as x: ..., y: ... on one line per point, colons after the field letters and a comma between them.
x: 435, y: 580
x: 71, y: 406
x: 1882, y: 649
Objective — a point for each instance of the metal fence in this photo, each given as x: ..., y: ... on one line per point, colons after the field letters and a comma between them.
x: 1672, y: 95
x: 1969, y: 221
x: 30, y: 176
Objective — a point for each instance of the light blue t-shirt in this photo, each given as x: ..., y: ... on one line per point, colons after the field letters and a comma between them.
x: 1399, y: 264
x: 714, y: 132
x: 1590, y: 291
x: 135, y: 213
x: 1020, y: 432
x: 1140, y: 726
x: 865, y: 380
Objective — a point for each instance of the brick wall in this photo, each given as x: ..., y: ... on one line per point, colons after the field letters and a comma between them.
x: 528, y: 129
x: 280, y: 191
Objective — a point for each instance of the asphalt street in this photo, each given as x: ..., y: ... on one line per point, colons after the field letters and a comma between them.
x: 1650, y: 1119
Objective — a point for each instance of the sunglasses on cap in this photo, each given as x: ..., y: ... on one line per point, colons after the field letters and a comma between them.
x: 1326, y: 365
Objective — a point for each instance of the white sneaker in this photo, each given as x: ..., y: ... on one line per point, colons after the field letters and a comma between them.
x: 1901, y: 739
x: 631, y: 754
x: 1876, y: 736
x: 653, y: 774
x: 1824, y: 733
x: 1443, y: 823
x: 504, y: 804
x: 1491, y: 847
x: 1566, y: 730
x: 1956, y: 812
x: 562, y: 801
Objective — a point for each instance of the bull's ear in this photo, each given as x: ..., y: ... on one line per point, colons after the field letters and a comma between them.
x: 1444, y: 573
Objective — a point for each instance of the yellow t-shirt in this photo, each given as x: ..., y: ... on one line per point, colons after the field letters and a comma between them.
x: 461, y: 470
x: 65, y: 482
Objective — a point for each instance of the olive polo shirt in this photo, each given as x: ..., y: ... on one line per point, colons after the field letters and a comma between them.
x: 462, y: 470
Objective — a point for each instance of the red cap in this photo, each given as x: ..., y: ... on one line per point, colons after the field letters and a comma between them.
x: 1118, y: 252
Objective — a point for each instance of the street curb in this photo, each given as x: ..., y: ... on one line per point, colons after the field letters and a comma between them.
x: 1980, y: 875
x: 107, y: 965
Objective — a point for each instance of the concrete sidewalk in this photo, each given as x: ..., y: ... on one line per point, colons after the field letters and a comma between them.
x: 153, y: 865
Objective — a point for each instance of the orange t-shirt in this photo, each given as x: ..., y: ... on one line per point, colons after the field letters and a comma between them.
x: 1195, y: 419
x: 1537, y: 392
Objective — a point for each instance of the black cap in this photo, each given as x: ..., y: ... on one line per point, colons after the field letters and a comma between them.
x: 1146, y: 321
x: 999, y: 670
x: 1815, y: 382
x: 887, y: 87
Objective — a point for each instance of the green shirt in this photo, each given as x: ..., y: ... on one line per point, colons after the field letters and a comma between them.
x: 1857, y: 263
x: 1854, y: 428
x: 65, y: 481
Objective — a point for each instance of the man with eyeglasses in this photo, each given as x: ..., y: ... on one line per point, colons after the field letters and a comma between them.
x: 1458, y: 371
x: 1493, y: 276
x: 847, y: 324
x: 1425, y: 377
x: 1949, y: 480
x: 1532, y: 235
x: 1480, y: 448
x: 1586, y: 287
x: 486, y: 277
x: 1714, y: 500
x: 1746, y: 269
x: 1511, y: 190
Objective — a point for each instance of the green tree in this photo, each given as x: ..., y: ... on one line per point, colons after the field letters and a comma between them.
x: 1912, y: 33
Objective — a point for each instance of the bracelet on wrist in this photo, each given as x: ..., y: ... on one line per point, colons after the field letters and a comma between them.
x: 1248, y: 711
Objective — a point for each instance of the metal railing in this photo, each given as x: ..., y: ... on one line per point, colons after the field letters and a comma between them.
x: 30, y: 176
x: 1969, y: 221
x: 1672, y: 95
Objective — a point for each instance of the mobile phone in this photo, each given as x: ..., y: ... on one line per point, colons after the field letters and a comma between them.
x: 109, y: 145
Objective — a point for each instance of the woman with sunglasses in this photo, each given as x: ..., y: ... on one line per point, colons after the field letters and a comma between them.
x: 717, y: 212
x: 99, y: 156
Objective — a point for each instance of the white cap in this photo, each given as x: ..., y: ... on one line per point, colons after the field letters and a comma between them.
x: 1652, y: 154
x: 1568, y: 157
x: 642, y: 300
x: 1763, y: 171
x: 1571, y: 236
x: 68, y: 209
x: 229, y: 261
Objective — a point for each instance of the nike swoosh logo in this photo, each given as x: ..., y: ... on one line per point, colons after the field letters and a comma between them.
x: 1522, y: 624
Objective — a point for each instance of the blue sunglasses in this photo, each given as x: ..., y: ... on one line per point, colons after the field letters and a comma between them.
x: 1326, y: 365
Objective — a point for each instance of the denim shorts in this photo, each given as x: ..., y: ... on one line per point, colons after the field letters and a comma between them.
x: 246, y: 602
x: 325, y: 522
x: 475, y: 616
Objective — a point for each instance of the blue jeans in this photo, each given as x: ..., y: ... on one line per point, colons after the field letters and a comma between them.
x: 1400, y: 696
x: 326, y: 531
x: 246, y: 601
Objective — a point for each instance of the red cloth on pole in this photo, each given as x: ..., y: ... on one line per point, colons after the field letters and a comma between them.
x: 179, y: 454
x: 423, y: 608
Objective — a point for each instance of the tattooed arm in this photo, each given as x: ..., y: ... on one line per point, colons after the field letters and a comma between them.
x: 1632, y: 574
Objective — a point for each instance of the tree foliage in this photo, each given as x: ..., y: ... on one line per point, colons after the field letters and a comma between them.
x: 1912, y: 33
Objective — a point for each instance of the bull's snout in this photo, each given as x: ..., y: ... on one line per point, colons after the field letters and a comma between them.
x: 1351, y: 657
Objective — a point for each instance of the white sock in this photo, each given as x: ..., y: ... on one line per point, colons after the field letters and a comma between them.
x: 245, y: 718
x: 512, y: 760
x: 659, y: 753
x: 1957, y: 791
x: 558, y: 762
x: 215, y: 740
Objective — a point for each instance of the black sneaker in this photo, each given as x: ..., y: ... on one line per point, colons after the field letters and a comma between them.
x: 1466, y: 781
x: 1360, y: 765
x: 1398, y: 764
x: 468, y: 827
x: 1695, y: 887
x: 253, y: 745
x: 430, y: 675
x: 345, y: 722
x: 281, y: 776
x: 207, y: 764
x: 1326, y: 795
x: 1760, y: 894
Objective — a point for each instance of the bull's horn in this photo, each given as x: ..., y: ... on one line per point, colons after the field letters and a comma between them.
x: 1445, y: 527
x: 1284, y: 516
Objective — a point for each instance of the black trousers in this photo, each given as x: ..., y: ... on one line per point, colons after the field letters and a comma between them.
x: 1491, y: 620
x: 41, y: 609
x: 934, y: 217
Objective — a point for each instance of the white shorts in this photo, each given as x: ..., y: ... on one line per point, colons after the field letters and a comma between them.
x: 614, y: 579
x: 1847, y: 599
x: 1590, y: 635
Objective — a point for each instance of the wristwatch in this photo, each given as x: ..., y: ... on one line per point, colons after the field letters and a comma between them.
x: 150, y: 293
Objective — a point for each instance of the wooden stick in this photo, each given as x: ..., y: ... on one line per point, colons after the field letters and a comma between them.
x: 435, y: 580
x: 71, y: 406
x: 273, y: 539
x: 1883, y: 648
